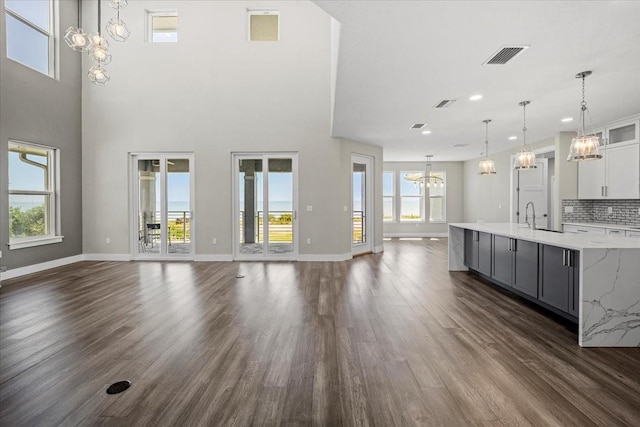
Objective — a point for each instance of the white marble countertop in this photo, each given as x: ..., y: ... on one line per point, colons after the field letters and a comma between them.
x: 565, y: 240
x: 604, y: 225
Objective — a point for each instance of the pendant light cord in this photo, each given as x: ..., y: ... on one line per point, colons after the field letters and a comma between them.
x: 583, y: 107
x: 524, y: 124
x: 100, y: 17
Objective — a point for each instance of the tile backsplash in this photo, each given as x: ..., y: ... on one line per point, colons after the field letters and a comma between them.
x: 619, y: 212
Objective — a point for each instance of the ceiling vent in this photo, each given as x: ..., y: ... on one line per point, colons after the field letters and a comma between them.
x: 505, y: 54
x: 444, y: 103
x: 417, y: 126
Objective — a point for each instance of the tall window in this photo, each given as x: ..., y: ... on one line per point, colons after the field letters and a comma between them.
x: 163, y: 27
x: 388, y: 192
x: 32, y: 195
x: 437, y: 200
x: 30, y: 39
x: 411, y: 198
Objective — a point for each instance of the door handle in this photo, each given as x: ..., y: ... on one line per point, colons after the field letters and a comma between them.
x: 295, y: 214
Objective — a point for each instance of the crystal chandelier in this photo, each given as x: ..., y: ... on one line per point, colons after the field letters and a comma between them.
x: 526, y: 158
x: 487, y: 166
x: 584, y: 147
x: 96, y: 46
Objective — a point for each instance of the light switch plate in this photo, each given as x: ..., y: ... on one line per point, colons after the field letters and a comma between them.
x: 568, y: 209
x: 309, y: 208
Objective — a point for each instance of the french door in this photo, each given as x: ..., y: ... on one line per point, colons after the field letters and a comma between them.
x: 265, y: 206
x: 162, y: 206
x: 361, y: 204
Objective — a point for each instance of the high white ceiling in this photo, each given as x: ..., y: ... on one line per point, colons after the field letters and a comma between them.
x: 398, y: 59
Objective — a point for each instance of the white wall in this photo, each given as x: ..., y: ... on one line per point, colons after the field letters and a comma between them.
x: 214, y: 93
x: 454, y: 199
x: 487, y: 198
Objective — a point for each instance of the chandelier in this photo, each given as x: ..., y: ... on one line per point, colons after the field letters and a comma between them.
x: 96, y: 46
x: 584, y: 147
x: 487, y: 166
x: 526, y: 158
x: 428, y: 178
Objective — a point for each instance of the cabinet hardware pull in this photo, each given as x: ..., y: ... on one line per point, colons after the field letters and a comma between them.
x: 564, y: 257
x: 514, y: 245
x: 569, y: 263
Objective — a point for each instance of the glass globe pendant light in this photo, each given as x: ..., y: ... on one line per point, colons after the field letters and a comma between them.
x: 584, y: 147
x: 487, y: 166
x: 526, y: 158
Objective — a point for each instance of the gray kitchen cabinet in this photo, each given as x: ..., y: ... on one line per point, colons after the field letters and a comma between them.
x: 477, y: 251
x: 503, y: 258
x: 515, y: 263
x: 559, y: 278
x: 526, y: 267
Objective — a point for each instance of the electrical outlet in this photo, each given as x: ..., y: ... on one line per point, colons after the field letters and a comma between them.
x: 609, y: 210
x: 309, y: 208
x: 108, y: 240
x: 214, y: 241
x: 568, y: 209
x: 308, y: 240
x: 346, y: 208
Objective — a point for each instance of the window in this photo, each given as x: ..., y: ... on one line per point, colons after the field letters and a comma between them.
x: 437, y: 200
x: 163, y: 27
x: 263, y: 25
x: 411, y: 198
x: 33, y: 211
x: 30, y: 39
x: 387, y: 197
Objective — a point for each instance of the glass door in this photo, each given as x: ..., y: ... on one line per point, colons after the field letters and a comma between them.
x: 361, y: 204
x: 163, y: 214
x: 265, y: 208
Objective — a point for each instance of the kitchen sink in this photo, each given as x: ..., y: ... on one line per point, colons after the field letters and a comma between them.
x: 546, y: 229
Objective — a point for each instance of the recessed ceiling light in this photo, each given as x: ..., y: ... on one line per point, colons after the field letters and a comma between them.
x: 567, y: 119
x: 426, y: 132
x: 513, y: 138
x: 475, y: 97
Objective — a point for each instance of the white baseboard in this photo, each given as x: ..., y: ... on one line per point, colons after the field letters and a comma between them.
x: 378, y: 249
x: 108, y: 257
x: 36, y: 268
x: 213, y: 258
x: 441, y: 234
x: 324, y: 257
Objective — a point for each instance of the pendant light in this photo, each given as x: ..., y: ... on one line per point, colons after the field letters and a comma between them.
x: 96, y: 46
x: 584, y: 147
x: 75, y: 37
x: 116, y: 27
x: 99, y: 52
x: 526, y: 158
x: 487, y: 166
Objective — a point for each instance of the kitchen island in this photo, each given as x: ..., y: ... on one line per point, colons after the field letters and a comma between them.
x: 594, y: 280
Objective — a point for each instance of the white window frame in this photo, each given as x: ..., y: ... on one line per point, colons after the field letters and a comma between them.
x: 421, y: 197
x: 54, y: 236
x: 391, y: 196
x: 51, y: 72
x: 159, y: 13
x: 253, y: 12
x: 443, y: 197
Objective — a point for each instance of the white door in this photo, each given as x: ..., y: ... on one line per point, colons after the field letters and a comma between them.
x: 361, y: 204
x: 265, y: 206
x: 162, y: 206
x: 531, y: 185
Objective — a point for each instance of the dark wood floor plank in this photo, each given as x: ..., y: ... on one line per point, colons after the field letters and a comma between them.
x: 382, y: 340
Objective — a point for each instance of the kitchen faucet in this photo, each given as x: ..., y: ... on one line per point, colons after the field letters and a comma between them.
x: 526, y: 215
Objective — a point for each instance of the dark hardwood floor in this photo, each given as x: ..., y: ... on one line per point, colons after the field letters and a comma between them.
x: 385, y: 339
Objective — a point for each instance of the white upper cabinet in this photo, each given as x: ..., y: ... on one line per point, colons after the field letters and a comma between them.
x: 617, y: 174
